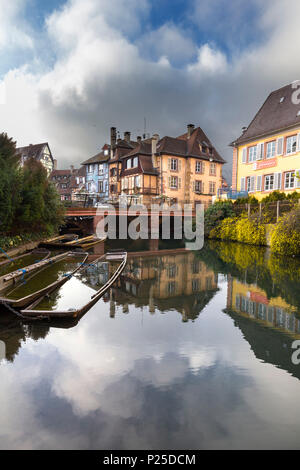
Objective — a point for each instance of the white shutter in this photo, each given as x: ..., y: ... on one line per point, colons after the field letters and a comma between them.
x: 243, y: 184
x: 179, y: 165
x: 258, y: 183
x: 169, y: 181
x: 260, y: 151
x: 179, y: 183
x: 298, y: 143
x: 169, y: 163
x: 277, y: 181
x: 252, y: 183
x: 280, y: 146
x: 244, y: 156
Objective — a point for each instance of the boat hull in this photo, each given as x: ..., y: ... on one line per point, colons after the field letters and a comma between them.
x: 31, y: 313
x: 27, y: 300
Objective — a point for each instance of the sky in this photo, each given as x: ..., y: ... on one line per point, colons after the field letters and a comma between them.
x: 71, y: 69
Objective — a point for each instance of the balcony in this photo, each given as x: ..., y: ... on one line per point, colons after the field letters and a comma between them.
x: 139, y: 191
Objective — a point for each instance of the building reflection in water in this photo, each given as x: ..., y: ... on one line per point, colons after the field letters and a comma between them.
x: 177, y: 280
x: 270, y: 325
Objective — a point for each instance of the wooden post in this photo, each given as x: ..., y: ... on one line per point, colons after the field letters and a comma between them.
x: 278, y: 210
x: 260, y: 210
x: 249, y: 210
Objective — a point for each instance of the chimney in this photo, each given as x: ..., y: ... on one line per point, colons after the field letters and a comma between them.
x: 113, y: 136
x: 155, y: 139
x: 139, y: 139
x: 127, y: 136
x: 190, y: 129
x: 54, y: 164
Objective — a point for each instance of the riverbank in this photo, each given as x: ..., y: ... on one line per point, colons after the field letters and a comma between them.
x: 282, y: 237
x: 19, y: 244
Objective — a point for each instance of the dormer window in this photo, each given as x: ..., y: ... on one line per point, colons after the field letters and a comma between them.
x: 105, y: 152
x: 128, y: 163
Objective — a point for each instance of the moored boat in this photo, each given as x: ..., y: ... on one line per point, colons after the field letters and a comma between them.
x: 59, y: 242
x: 14, y: 268
x: 48, y: 278
x: 81, y: 292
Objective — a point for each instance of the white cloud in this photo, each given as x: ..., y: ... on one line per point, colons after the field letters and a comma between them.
x: 167, y: 41
x: 111, y: 69
x: 12, y: 27
x: 209, y: 60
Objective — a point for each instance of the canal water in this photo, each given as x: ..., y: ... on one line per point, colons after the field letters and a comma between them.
x: 190, y: 350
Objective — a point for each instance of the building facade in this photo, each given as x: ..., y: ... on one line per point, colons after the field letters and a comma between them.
x: 266, y: 156
x: 41, y: 153
x: 185, y: 169
x: 70, y: 184
x: 97, y: 176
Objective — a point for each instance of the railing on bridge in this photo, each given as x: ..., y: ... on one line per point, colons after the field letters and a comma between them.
x: 228, y: 193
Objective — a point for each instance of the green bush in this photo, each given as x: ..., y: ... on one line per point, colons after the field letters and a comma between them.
x: 285, y: 238
x: 246, y: 200
x: 274, y: 196
x: 8, y: 243
x: 216, y: 213
x: 241, y: 229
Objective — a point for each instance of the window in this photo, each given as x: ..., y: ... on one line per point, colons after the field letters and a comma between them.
x: 195, y: 285
x: 289, y: 180
x: 212, y: 187
x: 128, y: 163
x: 271, y: 149
x: 105, y: 152
x: 269, y: 182
x: 199, y: 167
x: 174, y: 164
x: 90, y: 169
x: 212, y: 169
x: 198, y: 186
x: 248, y: 184
x: 172, y: 271
x: 63, y: 186
x: 171, y: 287
x: 101, y: 169
x: 174, y: 182
x: 137, y: 181
x: 100, y: 187
x: 135, y: 162
x: 195, y: 267
x: 252, y: 153
x: 291, y: 144
x: 89, y: 186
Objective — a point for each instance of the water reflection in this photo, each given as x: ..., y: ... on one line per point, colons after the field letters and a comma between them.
x: 158, y: 364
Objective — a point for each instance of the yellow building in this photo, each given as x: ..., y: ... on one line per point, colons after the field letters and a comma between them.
x: 266, y: 156
x: 253, y: 303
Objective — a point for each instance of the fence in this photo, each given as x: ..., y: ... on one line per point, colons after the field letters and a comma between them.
x: 268, y: 212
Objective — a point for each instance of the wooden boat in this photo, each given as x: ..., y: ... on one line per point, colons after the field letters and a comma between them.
x: 13, y: 268
x: 55, y: 274
x: 86, y: 244
x: 59, y: 242
x: 81, y: 292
